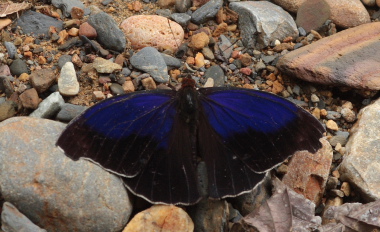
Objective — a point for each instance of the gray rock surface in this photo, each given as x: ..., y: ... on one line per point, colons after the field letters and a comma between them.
x: 49, y: 106
x: 151, y: 61
x: 206, y: 11
x: 13, y: 220
x: 37, y: 23
x: 262, y: 22
x: 171, y: 62
x: 67, y: 5
x: 361, y: 164
x: 109, y: 34
x: 53, y: 191
x: 69, y: 111
x: 216, y: 73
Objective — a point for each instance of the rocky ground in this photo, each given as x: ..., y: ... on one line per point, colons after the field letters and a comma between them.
x: 59, y: 57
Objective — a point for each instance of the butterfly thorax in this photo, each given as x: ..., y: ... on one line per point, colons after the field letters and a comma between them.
x: 188, y: 105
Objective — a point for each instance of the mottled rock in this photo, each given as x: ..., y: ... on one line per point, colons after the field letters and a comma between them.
x: 262, y: 22
x: 105, y: 66
x: 67, y: 5
x: 171, y: 62
x: 152, y: 31
x: 68, y: 84
x: 207, y: 11
x: 87, y: 30
x: 38, y: 24
x: 308, y: 173
x: 312, y: 14
x: 18, y: 67
x: 348, y: 13
x: 14, y: 220
x: 49, y: 106
x: 216, y: 73
x: 181, y: 18
x: 4, y: 70
x: 161, y: 218
x: 290, y: 5
x: 361, y: 164
x: 69, y: 111
x: 29, y: 99
x: 109, y: 34
x: 199, y: 41
x: 148, y: 83
x: 345, y: 58
x: 7, y: 110
x: 150, y: 60
x: 53, y: 191
x: 42, y: 79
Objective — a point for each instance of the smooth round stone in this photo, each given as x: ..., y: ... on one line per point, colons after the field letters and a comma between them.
x: 69, y: 111
x: 152, y: 31
x: 18, y: 67
x: 116, y: 89
x: 68, y: 84
x: 11, y: 48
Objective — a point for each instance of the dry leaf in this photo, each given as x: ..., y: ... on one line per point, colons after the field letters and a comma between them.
x: 10, y: 8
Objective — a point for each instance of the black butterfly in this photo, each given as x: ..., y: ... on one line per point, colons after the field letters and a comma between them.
x: 155, y: 139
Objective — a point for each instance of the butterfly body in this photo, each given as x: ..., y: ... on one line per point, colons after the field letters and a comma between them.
x: 155, y: 139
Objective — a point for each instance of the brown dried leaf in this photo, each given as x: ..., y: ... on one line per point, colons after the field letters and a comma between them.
x: 356, y: 216
x: 10, y: 8
x: 285, y: 211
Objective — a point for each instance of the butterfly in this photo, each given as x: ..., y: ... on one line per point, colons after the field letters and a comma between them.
x: 155, y: 139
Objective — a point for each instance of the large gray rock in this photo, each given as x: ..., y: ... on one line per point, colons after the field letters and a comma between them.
x: 361, y: 164
x: 37, y: 23
x: 262, y: 22
x: 53, y: 191
x: 49, y: 106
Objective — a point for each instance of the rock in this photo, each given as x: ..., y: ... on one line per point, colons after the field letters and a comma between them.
x: 308, y: 173
x: 109, y: 34
x: 225, y: 46
x: 18, y: 67
x: 208, y: 53
x: 14, y: 220
x: 345, y: 58
x: 330, y: 124
x: 312, y: 14
x: 87, y: 30
x: 68, y: 84
x: 4, y: 23
x: 348, y: 115
x: 81, y: 195
x: 333, y: 115
x: 216, y: 73
x: 6, y: 86
x: 37, y: 24
x: 63, y: 59
x: 49, y: 106
x: 207, y: 11
x: 348, y: 14
x: 182, y: 6
x: 165, y: 3
x: 42, y: 79
x: 11, y: 49
x: 340, y: 137
x: 105, y: 66
x: 67, y: 5
x: 7, y: 110
x: 116, y: 89
x: 29, y: 99
x: 128, y: 87
x: 161, y: 218
x: 152, y: 31
x: 150, y: 61
x: 361, y: 164
x: 98, y: 96
x: 290, y: 5
x: 265, y: 21
x: 148, y: 83
x: 199, y: 41
x: 69, y: 111
x: 4, y: 70
x: 199, y: 60
x: 181, y: 18
x: 210, y: 215
x: 171, y: 62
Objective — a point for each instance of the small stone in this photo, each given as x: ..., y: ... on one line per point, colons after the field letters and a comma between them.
x: 332, y: 183
x: 49, y: 106
x: 76, y: 60
x: 336, y: 193
x: 77, y: 13
x: 246, y: 59
x: 217, y: 74
x: 316, y: 113
x: 24, y: 77
x: 87, y: 30
x: 220, y: 29
x: 128, y: 86
x: 247, y: 71
x: 7, y: 110
x: 314, y: 98
x: 209, y: 83
x: 340, y: 137
x: 69, y: 111
x: 199, y: 60
x: 63, y: 59
x: 161, y: 218
x: 73, y: 32
x: 98, y: 95
x: 207, y: 11
x: 42, y: 79
x: 11, y: 48
x: 116, y: 89
x: 199, y: 41
x: 208, y: 54
x: 182, y: 6
x: 348, y: 115
x: 346, y: 189
x: 68, y: 84
x: 277, y: 87
x: 63, y: 36
x: 181, y: 18
x: 42, y: 60
x: 18, y: 67
x: 148, y: 83
x: 165, y: 3
x: 29, y: 99
x: 333, y: 115
x: 330, y: 124
x: 4, y: 22
x: 323, y: 112
x: 105, y: 66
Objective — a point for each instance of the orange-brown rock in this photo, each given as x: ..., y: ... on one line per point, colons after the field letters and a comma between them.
x: 344, y: 59
x: 307, y: 173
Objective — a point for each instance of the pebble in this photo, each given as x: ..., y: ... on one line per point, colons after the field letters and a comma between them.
x: 199, y: 41
x: 333, y: 115
x: 340, y: 137
x: 63, y: 59
x: 332, y: 183
x: 181, y: 18
x: 116, y: 89
x: 348, y: 115
x: 346, y: 188
x: 290, y: 5
x: 105, y: 66
x: 217, y: 74
x: 314, y: 98
x: 350, y: 14
x: 6, y: 86
x: 4, y: 70
x: 49, y: 106
x: 14, y: 220
x: 98, y: 96
x: 207, y: 11
x: 330, y: 124
x: 208, y: 53
x: 182, y: 6
x: 87, y: 30
x: 7, y: 110
x: 49, y: 183
x: 11, y: 49
x: 18, y: 67
x: 42, y: 79
x: 161, y: 218
x: 109, y: 34
x: 69, y: 111
x: 199, y: 60
x: 29, y: 99
x: 36, y: 24
x: 152, y: 31
x: 265, y: 21
x: 148, y: 83
x: 171, y: 62
x: 225, y: 46
x: 24, y: 77
x: 150, y: 61
x: 67, y: 5
x: 219, y: 219
x: 68, y: 84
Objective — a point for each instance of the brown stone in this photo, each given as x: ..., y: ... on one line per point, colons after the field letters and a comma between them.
x: 277, y: 87
x: 42, y: 79
x: 120, y: 60
x: 348, y: 13
x: 199, y: 60
x: 308, y: 173
x: 128, y: 86
x: 246, y: 71
x: 199, y: 41
x: 24, y: 77
x: 220, y: 29
x: 246, y: 59
x: 290, y: 5
x: 29, y: 99
x: 4, y: 23
x: 165, y: 3
x: 148, y: 83
x: 345, y: 59
x: 63, y: 35
x: 87, y: 30
x: 312, y: 14
x: 137, y: 6
x: 77, y: 13
x: 167, y: 218
x: 41, y: 60
x: 73, y: 32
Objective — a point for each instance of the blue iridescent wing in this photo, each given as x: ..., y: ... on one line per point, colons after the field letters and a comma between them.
x: 133, y: 135
x: 244, y: 133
